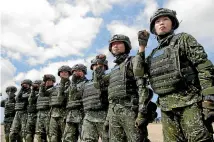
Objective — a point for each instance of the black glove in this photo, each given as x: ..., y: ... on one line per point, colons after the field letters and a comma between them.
x: 74, y: 78
x: 99, y: 71
x: 143, y: 37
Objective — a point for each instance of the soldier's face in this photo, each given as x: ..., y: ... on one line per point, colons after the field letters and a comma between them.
x: 163, y: 25
x: 78, y: 73
x: 64, y: 74
x: 117, y: 47
x: 49, y: 83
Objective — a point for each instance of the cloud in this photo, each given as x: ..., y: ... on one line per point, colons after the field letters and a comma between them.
x: 144, y: 16
x: 97, y: 7
x: 8, y: 71
x: 51, y: 68
x: 195, y: 17
x: 117, y: 27
x: 64, y: 28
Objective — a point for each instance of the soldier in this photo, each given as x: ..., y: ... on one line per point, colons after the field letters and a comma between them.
x: 9, y: 112
x: 43, y: 115
x: 58, y: 105
x: 31, y: 119
x: 74, y: 104
x: 95, y: 102
x: 20, y: 119
x: 124, y: 87
x: 181, y: 75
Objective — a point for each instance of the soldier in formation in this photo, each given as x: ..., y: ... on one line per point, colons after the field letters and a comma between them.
x: 117, y: 106
x: 95, y: 104
x: 9, y: 112
x: 182, y: 76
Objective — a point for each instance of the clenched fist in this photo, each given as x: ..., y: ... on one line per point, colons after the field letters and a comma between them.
x: 101, y: 56
x: 143, y: 37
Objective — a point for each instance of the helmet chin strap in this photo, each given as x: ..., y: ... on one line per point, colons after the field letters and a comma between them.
x: 159, y: 37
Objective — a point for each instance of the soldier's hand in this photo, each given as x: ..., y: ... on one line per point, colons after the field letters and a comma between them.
x: 143, y: 37
x: 101, y: 56
x: 74, y: 78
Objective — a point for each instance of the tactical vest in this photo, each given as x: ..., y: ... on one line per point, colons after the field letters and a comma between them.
x: 121, y: 85
x: 43, y: 101
x: 56, y: 99
x: 167, y: 74
x: 93, y: 98
x: 9, y: 108
x: 75, y: 96
x: 32, y: 107
x: 21, y: 105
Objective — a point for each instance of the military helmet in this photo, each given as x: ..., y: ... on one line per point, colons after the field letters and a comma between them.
x: 81, y: 67
x: 64, y: 68
x: 99, y: 61
x: 11, y: 88
x: 37, y: 82
x: 164, y: 12
x: 26, y: 81
x: 49, y: 76
x: 124, y: 39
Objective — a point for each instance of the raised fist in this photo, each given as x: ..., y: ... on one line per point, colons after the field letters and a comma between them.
x: 101, y: 56
x: 143, y: 37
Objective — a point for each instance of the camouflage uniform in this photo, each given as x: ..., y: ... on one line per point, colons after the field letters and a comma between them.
x: 178, y: 70
x: 95, y: 102
x: 58, y: 107
x: 20, y: 119
x: 123, y: 96
x: 42, y: 106
x: 31, y: 109
x: 74, y: 106
x: 9, y: 112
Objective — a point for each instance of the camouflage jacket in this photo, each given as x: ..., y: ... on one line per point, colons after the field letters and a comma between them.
x: 191, y: 50
x: 135, y: 69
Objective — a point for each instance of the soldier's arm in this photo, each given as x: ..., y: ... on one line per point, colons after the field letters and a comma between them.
x: 2, y: 104
x: 196, y: 54
x: 31, y: 97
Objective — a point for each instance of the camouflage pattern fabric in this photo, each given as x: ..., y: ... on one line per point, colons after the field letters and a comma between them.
x: 18, y: 126
x: 122, y: 124
x: 190, y: 51
x: 58, y: 113
x: 30, y: 126
x: 184, y: 124
x: 72, y: 132
x: 57, y: 126
x: 92, y: 127
x: 42, y: 126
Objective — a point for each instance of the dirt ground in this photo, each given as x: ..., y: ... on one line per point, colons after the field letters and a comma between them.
x: 155, y: 133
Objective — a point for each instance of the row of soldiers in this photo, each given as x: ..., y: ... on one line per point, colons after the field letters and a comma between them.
x: 117, y: 106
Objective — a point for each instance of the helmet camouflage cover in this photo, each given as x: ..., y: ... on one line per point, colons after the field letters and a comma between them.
x: 64, y: 68
x: 37, y: 82
x: 81, y: 67
x: 11, y: 88
x: 98, y: 60
x: 49, y: 77
x: 163, y: 12
x: 124, y: 39
x: 26, y: 81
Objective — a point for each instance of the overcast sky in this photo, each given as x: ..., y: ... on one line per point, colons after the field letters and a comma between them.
x: 39, y: 36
